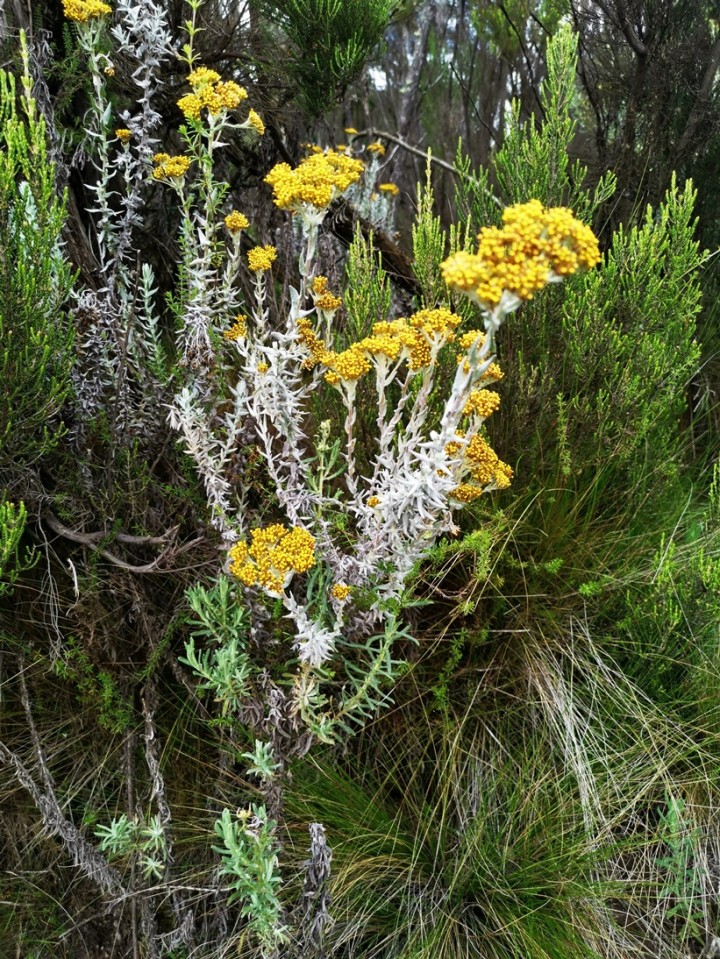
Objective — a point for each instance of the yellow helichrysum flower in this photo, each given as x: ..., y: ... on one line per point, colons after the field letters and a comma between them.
x: 83, y: 10
x: 351, y: 131
x: 533, y: 246
x: 255, y: 121
x: 273, y: 556
x: 376, y: 147
x: 340, y: 590
x: 484, y: 465
x: 415, y: 340
x: 202, y: 76
x: 168, y: 167
x: 236, y: 221
x: 230, y: 94
x: 191, y: 105
x: 211, y: 93
x: 482, y: 403
x: 390, y: 188
x: 323, y: 298
x: 315, y: 182
x: 123, y: 135
x: 319, y: 352
x: 238, y: 329
x: 261, y: 258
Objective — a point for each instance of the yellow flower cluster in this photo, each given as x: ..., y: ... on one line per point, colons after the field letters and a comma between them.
x: 83, y: 10
x: 261, y: 258
x: 390, y: 188
x: 209, y: 91
x: 351, y: 131
x: 202, y: 77
x: 340, y: 591
x: 318, y: 351
x: 255, y: 121
x: 238, y: 329
x: 274, y: 554
x: 466, y: 341
x: 123, y: 135
x: 411, y: 339
x: 482, y: 403
x: 373, y: 501
x: 324, y: 299
x: 236, y: 221
x: 483, y: 464
x: 316, y: 181
x: 168, y: 167
x: 533, y: 244
x: 376, y: 147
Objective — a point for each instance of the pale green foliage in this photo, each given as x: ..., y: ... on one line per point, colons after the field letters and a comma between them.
x: 225, y: 669
x: 372, y: 681
x: 261, y: 761
x: 249, y: 861
x: 146, y: 840
x: 12, y: 523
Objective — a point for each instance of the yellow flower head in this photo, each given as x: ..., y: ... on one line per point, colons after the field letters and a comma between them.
x: 201, y: 77
x: 340, y: 591
x: 373, y: 501
x: 315, y: 182
x: 273, y: 556
x: 239, y: 328
x: 191, y: 105
x: 211, y: 93
x: 324, y: 299
x: 83, y: 10
x: 482, y: 403
x: 376, y: 147
x: 319, y: 352
x: 390, y: 188
x: 123, y: 135
x: 230, y: 94
x: 486, y: 469
x: 168, y: 167
x: 351, y: 131
x: 414, y: 340
x: 236, y: 221
x: 438, y: 323
x: 262, y: 367
x: 533, y: 246
x: 261, y: 258
x: 255, y: 121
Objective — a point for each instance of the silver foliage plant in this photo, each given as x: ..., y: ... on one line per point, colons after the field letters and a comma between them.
x: 357, y: 524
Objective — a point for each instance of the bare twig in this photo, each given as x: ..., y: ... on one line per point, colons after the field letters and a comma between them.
x: 91, y: 540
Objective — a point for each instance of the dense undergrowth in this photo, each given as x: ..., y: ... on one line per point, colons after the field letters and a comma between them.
x: 493, y: 735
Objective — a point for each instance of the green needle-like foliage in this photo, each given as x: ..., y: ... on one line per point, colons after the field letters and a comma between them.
x: 331, y: 41
x: 36, y: 340
x: 12, y: 524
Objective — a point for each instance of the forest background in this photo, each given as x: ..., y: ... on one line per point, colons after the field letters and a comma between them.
x: 496, y: 735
